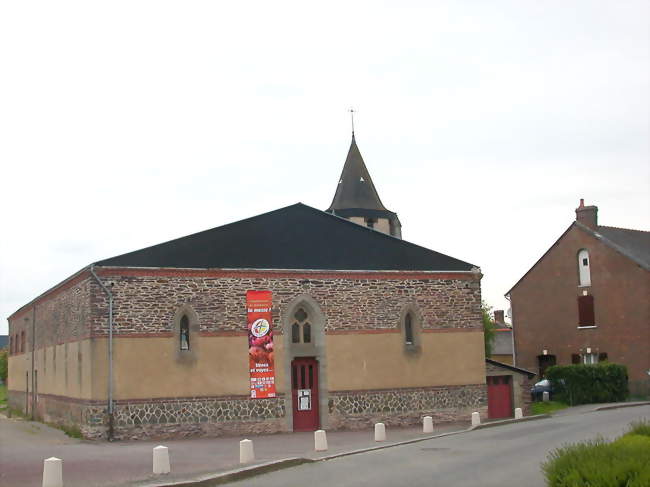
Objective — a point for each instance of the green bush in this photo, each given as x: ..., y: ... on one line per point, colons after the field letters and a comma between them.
x: 584, y: 384
x: 3, y: 366
x: 622, y: 463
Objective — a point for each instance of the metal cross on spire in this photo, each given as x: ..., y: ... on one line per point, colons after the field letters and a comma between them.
x: 352, y: 117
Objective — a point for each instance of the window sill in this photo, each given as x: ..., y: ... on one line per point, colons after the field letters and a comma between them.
x: 587, y: 327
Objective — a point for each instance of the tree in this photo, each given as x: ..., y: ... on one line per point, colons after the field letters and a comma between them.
x: 3, y: 365
x: 489, y: 327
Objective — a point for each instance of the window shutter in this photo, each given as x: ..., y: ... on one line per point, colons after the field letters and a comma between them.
x: 586, y: 311
x: 575, y: 358
x: 602, y: 357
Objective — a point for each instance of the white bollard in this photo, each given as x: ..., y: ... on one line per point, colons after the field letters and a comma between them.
x: 380, y: 432
x: 246, y: 452
x: 476, y: 419
x: 161, y: 460
x: 427, y: 425
x: 519, y: 413
x: 53, y: 472
x: 320, y: 440
x: 545, y: 396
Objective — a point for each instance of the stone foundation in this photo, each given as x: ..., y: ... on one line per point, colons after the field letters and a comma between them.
x: 402, y: 407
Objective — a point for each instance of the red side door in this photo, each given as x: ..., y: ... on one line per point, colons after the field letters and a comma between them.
x: 304, y: 390
x: 499, y: 396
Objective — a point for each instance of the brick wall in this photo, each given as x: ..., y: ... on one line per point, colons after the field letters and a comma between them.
x: 545, y: 308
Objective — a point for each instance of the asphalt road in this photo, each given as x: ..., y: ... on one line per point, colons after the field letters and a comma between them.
x: 502, y: 456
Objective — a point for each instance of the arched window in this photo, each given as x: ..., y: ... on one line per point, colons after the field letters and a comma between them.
x: 584, y: 271
x: 185, y: 333
x: 408, y: 329
x: 301, y: 328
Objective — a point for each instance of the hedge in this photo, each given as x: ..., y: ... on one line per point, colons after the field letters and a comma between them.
x: 584, y: 384
x: 622, y: 463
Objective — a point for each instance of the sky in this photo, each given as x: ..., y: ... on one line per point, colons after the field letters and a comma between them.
x: 128, y: 123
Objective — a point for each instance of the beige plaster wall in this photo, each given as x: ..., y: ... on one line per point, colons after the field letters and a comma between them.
x: 62, y: 370
x: 379, y: 361
x: 150, y: 367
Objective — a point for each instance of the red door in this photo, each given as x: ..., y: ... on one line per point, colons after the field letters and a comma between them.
x: 304, y: 389
x: 499, y: 396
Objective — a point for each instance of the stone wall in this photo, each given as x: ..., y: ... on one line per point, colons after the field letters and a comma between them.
x: 145, y: 301
x: 401, y: 407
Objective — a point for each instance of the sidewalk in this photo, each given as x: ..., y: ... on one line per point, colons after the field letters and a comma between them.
x: 25, y: 444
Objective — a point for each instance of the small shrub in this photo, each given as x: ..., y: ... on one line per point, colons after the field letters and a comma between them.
x: 584, y: 384
x: 639, y: 428
x: 547, y: 407
x: 622, y: 463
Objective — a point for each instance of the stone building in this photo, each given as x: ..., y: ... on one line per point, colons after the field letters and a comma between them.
x: 160, y: 342
x: 586, y: 300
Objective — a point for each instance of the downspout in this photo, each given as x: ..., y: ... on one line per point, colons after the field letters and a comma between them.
x: 110, y: 353
x: 33, y: 353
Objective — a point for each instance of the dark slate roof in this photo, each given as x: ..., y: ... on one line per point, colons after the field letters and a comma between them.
x: 634, y: 244
x: 355, y: 188
x: 295, y: 237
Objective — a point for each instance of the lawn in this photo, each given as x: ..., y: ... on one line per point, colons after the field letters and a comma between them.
x: 547, y: 407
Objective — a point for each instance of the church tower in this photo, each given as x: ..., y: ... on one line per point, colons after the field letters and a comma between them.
x: 357, y: 200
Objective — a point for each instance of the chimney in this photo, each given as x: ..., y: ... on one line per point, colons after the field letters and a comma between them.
x: 587, y: 215
x: 498, y: 317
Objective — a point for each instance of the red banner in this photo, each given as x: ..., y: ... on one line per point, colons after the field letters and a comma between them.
x: 260, y: 344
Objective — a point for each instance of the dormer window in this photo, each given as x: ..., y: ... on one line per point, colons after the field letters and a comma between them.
x: 370, y: 222
x: 584, y: 272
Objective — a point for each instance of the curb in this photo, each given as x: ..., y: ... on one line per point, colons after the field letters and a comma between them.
x: 623, y: 405
x: 508, y: 421
x: 253, y: 470
x: 234, y: 475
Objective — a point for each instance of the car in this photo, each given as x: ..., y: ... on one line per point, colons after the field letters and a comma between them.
x: 538, y: 390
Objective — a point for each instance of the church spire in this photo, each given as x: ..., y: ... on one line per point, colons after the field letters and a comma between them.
x: 356, y: 197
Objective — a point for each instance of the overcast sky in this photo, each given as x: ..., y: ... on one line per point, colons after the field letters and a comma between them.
x: 127, y: 123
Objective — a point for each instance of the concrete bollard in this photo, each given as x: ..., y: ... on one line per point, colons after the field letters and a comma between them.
x: 380, y: 432
x: 246, y: 452
x: 427, y: 424
x: 545, y: 396
x: 519, y: 413
x: 476, y: 419
x: 53, y: 472
x: 320, y: 440
x: 161, y: 460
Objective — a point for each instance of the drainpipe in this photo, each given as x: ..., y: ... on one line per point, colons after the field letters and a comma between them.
x: 33, y: 354
x: 110, y: 353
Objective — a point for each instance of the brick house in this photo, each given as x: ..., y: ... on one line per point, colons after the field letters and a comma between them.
x: 587, y: 300
x: 366, y: 327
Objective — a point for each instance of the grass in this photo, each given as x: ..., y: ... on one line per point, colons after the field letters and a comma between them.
x: 3, y: 398
x: 547, y: 407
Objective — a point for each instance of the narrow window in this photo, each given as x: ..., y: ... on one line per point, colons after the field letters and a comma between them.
x: 408, y: 329
x: 583, y: 268
x: 586, y: 311
x: 295, y: 333
x: 306, y: 333
x: 370, y: 222
x: 602, y: 357
x: 575, y: 358
x: 590, y: 358
x: 22, y: 342
x: 185, y: 333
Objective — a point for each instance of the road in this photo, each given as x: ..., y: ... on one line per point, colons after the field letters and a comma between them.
x: 502, y: 456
